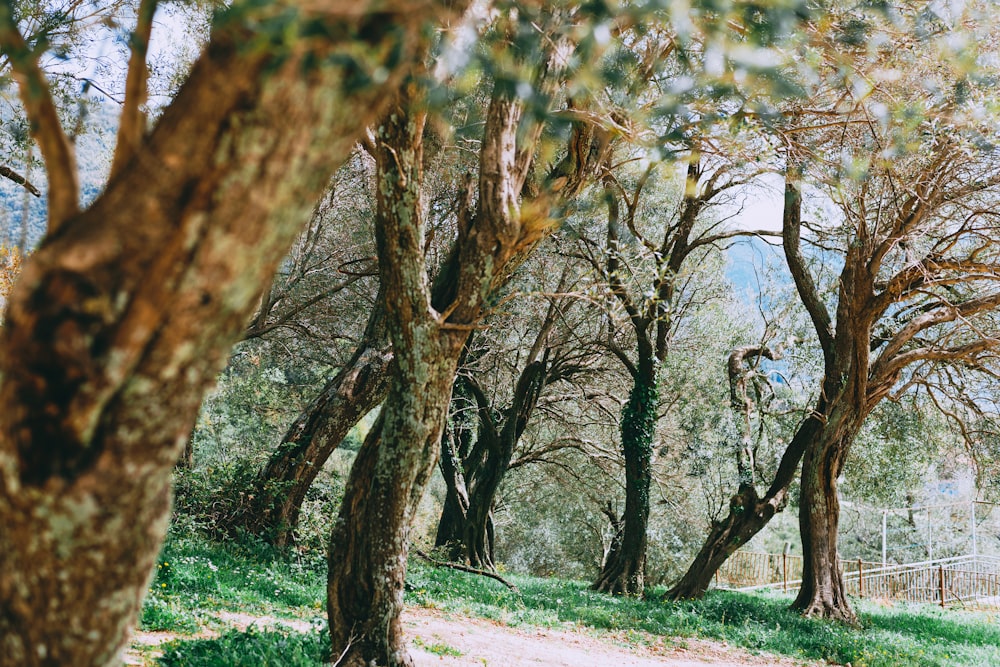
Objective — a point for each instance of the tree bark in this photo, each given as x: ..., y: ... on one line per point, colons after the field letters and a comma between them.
x: 115, y: 328
x: 357, y: 389
x: 370, y: 539
x: 822, y: 592
x: 373, y: 525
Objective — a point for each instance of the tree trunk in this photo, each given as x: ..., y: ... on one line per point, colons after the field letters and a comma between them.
x: 370, y: 539
x: 823, y: 593
x: 357, y: 389
x: 116, y: 328
x: 623, y: 571
x: 748, y: 514
x: 373, y: 526
x: 456, y: 502
x: 499, y: 451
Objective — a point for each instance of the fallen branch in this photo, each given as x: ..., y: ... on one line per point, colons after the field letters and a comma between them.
x: 470, y: 570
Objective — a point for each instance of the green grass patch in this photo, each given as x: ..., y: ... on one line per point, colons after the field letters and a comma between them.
x: 438, y: 648
x: 195, y: 577
x: 252, y: 648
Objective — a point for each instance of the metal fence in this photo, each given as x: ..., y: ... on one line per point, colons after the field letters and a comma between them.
x: 971, y: 582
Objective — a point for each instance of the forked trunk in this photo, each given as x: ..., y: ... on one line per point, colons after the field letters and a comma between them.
x: 370, y: 539
x: 357, y: 389
x: 476, y: 482
x: 623, y: 572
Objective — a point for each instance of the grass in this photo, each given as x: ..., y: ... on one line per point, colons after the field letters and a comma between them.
x: 252, y: 648
x: 196, y: 579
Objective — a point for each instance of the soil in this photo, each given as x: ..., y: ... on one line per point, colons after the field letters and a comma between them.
x: 439, y: 639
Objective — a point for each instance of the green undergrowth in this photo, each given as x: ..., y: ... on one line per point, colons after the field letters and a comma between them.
x: 197, y: 579
x: 251, y: 648
x: 896, y: 636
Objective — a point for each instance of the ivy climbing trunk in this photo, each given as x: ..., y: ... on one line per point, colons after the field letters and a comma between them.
x: 623, y: 572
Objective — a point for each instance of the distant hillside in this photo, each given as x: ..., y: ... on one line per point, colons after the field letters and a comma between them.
x: 751, y: 263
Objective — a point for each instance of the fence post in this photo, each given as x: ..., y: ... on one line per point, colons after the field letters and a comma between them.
x: 884, y: 549
x: 974, y: 546
x: 784, y: 570
x: 861, y: 580
x: 941, y: 583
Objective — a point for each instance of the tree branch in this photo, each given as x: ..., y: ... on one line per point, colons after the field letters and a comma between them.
x: 57, y: 151
x: 132, y: 123
x: 466, y: 568
x: 9, y: 173
x: 791, y: 230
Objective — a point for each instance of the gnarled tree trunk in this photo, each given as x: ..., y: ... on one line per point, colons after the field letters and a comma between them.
x: 822, y: 592
x: 125, y: 314
x: 383, y: 490
x: 748, y: 514
x: 370, y: 539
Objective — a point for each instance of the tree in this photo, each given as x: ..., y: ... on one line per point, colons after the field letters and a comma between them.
x: 429, y: 322
x: 479, y: 448
x: 115, y: 328
x: 651, y: 312
x: 903, y: 89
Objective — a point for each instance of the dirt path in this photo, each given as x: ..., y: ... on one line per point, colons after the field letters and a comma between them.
x: 438, y: 639
x: 482, y: 642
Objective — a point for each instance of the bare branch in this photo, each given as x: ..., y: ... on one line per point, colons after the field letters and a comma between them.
x: 791, y: 224
x: 9, y: 173
x: 470, y: 570
x: 132, y: 123
x: 57, y: 151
